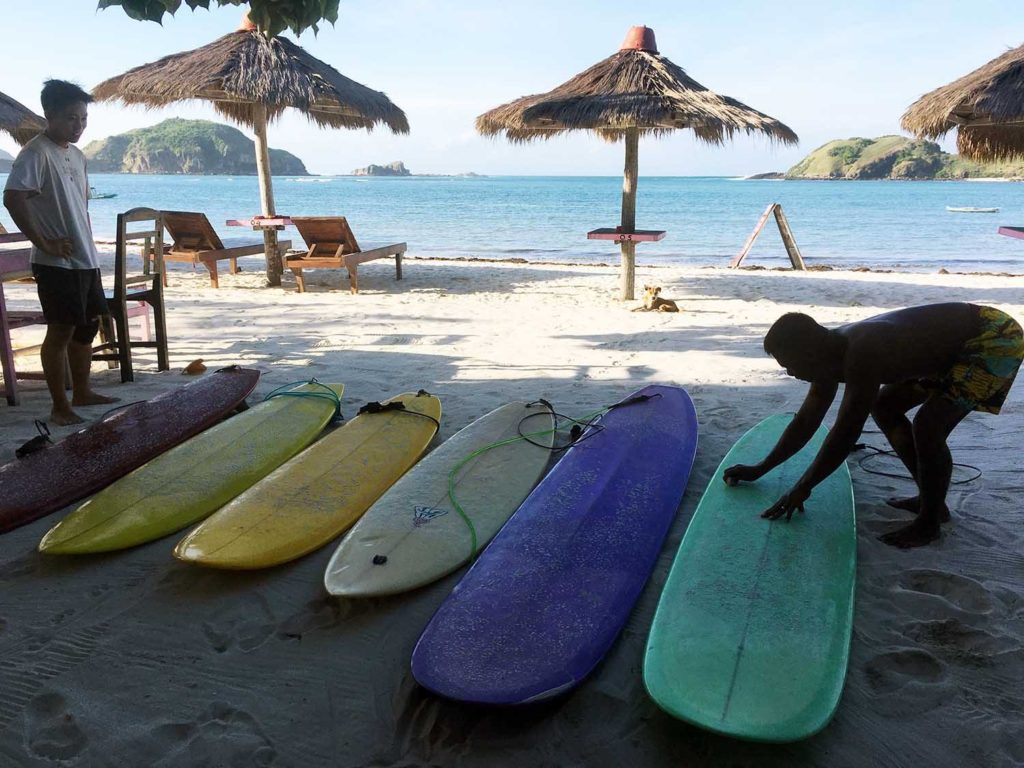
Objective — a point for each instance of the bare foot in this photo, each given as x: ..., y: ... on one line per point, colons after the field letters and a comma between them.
x: 917, y: 534
x: 913, y: 503
x: 65, y: 417
x: 92, y: 398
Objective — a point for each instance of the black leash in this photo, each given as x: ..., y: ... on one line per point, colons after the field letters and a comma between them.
x: 900, y: 475
x: 37, y: 443
x: 398, y: 405
x: 582, y: 428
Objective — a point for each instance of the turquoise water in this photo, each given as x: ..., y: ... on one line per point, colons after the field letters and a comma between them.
x: 845, y: 224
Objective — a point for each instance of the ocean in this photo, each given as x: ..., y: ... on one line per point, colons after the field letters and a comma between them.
x: 901, y: 225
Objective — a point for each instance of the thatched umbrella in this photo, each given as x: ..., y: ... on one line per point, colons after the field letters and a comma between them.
x: 251, y: 79
x: 18, y: 120
x: 986, y: 107
x: 634, y: 91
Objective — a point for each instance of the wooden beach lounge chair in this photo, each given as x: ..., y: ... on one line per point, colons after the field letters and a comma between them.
x: 195, y: 242
x: 332, y: 245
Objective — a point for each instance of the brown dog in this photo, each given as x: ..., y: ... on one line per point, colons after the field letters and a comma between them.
x: 654, y: 303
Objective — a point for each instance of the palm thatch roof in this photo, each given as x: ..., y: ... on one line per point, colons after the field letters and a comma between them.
x: 244, y: 69
x: 986, y: 106
x: 632, y: 88
x: 18, y: 120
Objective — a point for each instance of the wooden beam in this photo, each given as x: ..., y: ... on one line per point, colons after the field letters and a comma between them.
x: 628, y: 224
x: 273, y: 255
x: 795, y: 258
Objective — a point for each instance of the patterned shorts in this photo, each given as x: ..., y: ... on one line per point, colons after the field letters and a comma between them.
x: 981, y: 378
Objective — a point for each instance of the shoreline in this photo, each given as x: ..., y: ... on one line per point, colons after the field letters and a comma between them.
x: 744, y: 268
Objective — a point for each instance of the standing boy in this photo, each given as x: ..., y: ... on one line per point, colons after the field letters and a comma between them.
x: 47, y: 196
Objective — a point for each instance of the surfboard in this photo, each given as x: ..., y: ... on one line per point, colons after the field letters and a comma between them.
x: 546, y: 599
x: 314, y: 497
x: 197, y: 477
x: 752, y: 632
x: 414, y: 534
x: 127, y: 437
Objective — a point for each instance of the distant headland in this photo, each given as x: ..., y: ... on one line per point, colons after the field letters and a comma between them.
x: 891, y: 157
x: 199, y: 147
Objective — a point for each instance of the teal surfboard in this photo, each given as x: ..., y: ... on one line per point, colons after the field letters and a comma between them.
x: 751, y: 637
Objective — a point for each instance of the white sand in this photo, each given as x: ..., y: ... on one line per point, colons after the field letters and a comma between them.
x: 135, y: 659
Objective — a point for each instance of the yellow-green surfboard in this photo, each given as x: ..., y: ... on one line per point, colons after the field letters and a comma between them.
x: 194, y: 479
x: 307, y: 502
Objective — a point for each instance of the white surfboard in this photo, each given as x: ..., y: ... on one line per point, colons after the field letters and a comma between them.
x: 414, y: 534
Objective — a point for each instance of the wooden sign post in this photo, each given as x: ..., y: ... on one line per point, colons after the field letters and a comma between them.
x: 787, y: 238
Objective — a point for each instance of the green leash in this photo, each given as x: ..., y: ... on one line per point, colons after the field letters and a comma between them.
x: 474, y: 542
x: 322, y: 393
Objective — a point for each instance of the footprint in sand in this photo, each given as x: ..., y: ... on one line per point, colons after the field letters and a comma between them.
x: 51, y: 731
x: 960, y: 643
x: 220, y: 735
x: 246, y: 626
x: 936, y: 595
x: 906, y: 682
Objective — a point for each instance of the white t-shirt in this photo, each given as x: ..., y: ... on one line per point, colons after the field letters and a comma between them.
x: 60, y: 207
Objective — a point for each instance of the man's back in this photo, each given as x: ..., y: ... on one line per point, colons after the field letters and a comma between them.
x: 916, y: 342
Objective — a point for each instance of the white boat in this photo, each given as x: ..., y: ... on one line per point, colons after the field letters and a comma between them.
x: 94, y: 195
x: 971, y: 209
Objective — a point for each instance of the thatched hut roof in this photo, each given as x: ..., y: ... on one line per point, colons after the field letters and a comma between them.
x: 635, y: 87
x: 245, y: 68
x: 18, y: 120
x: 987, y: 106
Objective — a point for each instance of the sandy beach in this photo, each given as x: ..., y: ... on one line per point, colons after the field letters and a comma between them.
x: 136, y: 659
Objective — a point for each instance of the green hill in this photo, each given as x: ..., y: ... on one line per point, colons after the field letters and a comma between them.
x: 894, y: 157
x: 185, y: 146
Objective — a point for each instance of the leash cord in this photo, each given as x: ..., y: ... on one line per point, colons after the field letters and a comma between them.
x: 323, y: 393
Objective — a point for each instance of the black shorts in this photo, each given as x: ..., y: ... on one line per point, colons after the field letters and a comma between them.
x: 70, y: 296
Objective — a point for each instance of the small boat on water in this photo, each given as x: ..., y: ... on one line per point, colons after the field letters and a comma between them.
x: 94, y: 195
x: 970, y: 209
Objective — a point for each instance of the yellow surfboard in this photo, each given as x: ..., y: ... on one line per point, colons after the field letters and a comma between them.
x: 316, y: 496
x: 194, y: 479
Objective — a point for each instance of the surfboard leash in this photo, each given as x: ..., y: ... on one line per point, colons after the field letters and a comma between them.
x: 397, y: 405
x: 474, y: 541
x: 576, y: 435
x: 323, y: 392
x: 37, y: 443
x: 905, y: 476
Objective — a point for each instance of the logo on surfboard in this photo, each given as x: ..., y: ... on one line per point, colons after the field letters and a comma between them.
x: 423, y: 515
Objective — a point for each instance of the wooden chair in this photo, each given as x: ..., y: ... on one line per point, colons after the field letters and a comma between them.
x: 135, y: 295
x: 332, y: 245
x: 195, y: 241
x: 15, y: 265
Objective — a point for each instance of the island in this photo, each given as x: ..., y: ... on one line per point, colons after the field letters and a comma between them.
x: 177, y: 146
x: 895, y: 157
x: 396, y: 168
x: 5, y: 162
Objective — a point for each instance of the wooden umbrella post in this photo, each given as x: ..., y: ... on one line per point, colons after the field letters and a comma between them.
x: 628, y: 223
x: 270, y: 245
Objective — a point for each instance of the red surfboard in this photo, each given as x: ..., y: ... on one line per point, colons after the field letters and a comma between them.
x: 126, y: 438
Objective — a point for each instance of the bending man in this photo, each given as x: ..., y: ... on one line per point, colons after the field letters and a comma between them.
x: 950, y: 359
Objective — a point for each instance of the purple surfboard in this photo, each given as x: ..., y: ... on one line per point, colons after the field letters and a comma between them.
x: 546, y: 600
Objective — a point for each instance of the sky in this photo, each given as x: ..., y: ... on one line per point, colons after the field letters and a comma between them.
x: 826, y: 69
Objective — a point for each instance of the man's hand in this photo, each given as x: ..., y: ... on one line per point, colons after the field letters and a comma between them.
x: 62, y: 247
x: 742, y: 472
x: 789, y: 502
